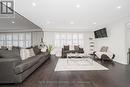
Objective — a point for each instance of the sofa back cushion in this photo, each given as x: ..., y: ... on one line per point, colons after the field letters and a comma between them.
x: 10, y: 54
x: 36, y: 50
x: 4, y: 48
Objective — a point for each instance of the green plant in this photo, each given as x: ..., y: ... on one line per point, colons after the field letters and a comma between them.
x: 49, y: 48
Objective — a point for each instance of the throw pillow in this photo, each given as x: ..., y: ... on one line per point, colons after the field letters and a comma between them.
x: 23, y: 54
x: 31, y: 52
x: 104, y: 49
x: 26, y: 53
x: 66, y: 47
x: 71, y: 48
x: 76, y: 47
x: 36, y: 50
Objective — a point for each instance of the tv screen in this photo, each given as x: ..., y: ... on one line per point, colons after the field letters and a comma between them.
x: 100, y: 33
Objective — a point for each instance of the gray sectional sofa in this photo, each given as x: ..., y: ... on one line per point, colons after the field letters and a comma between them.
x: 15, y: 70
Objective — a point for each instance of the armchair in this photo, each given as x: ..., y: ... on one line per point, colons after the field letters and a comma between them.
x: 104, y: 54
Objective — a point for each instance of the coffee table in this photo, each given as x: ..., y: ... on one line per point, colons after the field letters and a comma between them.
x: 79, y: 57
x: 75, y: 55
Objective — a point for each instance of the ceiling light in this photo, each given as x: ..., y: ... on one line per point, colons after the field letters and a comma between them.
x: 119, y: 7
x: 78, y: 6
x: 34, y: 4
x: 13, y: 22
x: 71, y: 22
x: 94, y: 23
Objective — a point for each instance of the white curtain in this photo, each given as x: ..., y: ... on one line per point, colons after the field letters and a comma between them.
x: 70, y: 39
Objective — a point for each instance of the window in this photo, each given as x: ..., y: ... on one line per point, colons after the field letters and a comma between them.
x: 7, y: 7
x: 70, y: 39
x: 9, y: 39
x: 15, y: 39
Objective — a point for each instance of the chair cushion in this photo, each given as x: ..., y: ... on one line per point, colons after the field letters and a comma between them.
x: 104, y: 49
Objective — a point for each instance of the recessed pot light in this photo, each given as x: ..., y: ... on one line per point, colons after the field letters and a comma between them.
x: 72, y: 22
x: 94, y: 23
x: 34, y: 4
x: 119, y: 7
x: 12, y: 22
x: 78, y: 6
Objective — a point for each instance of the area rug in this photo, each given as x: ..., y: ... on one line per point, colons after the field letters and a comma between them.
x: 78, y: 65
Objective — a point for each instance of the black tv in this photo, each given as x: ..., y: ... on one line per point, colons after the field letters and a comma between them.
x: 100, y: 33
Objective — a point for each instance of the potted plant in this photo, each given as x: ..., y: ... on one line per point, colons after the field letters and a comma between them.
x: 49, y: 48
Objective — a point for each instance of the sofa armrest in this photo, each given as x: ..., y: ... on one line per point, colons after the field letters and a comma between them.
x: 7, y: 66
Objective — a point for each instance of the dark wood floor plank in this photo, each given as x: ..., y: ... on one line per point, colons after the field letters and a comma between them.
x: 118, y: 75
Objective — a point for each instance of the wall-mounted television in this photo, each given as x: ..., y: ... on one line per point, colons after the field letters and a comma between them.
x: 100, y: 33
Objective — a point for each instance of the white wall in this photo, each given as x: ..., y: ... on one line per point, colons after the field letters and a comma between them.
x: 49, y: 38
x: 117, y: 40
x: 128, y: 39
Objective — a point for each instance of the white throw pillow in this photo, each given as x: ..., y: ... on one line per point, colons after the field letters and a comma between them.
x: 23, y: 54
x: 71, y: 47
x: 31, y: 52
x: 26, y: 53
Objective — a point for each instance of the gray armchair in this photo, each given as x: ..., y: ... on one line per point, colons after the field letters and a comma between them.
x: 104, y: 54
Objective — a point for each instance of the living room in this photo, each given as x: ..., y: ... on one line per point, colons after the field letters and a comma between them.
x: 64, y: 43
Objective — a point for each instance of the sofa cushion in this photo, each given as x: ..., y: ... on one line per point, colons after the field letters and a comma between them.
x: 36, y: 50
x: 26, y: 64
x: 10, y: 54
x: 4, y: 48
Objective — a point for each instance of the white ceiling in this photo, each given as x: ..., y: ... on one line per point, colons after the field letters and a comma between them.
x: 74, y: 15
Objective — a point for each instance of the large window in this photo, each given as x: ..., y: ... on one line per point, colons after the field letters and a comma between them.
x: 70, y: 39
x: 15, y: 39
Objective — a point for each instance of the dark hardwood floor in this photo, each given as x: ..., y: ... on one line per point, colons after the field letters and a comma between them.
x: 45, y: 76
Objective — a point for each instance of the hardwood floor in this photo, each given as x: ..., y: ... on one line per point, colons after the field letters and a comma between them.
x: 117, y: 76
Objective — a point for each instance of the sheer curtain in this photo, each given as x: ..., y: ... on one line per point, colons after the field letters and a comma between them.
x: 70, y: 39
x: 15, y: 39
